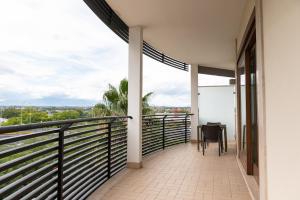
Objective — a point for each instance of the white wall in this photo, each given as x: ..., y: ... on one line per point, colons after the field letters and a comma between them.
x: 216, y: 104
x: 281, y: 42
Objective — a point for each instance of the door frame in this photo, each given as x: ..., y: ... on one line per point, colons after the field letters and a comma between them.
x: 247, y: 44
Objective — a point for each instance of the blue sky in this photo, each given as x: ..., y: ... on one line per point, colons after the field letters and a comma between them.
x: 57, y: 52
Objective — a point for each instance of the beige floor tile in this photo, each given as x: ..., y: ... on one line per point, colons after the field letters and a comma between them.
x: 241, y: 197
x: 179, y: 173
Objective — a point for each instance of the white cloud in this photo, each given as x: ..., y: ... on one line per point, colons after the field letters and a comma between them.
x: 60, y: 48
x: 170, y: 85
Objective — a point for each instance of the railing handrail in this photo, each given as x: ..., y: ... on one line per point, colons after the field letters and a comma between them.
x: 169, y: 114
x: 164, y: 130
x: 88, y: 153
x: 24, y: 127
x: 97, y: 150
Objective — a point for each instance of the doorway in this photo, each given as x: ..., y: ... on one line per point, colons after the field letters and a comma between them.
x: 247, y: 97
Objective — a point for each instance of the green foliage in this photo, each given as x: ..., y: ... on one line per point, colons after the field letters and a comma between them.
x: 27, y: 116
x: 30, y: 115
x: 68, y: 114
x: 81, y: 112
x: 116, y: 101
x: 101, y: 110
x: 146, y: 107
x: 12, y: 121
x: 11, y: 112
x: 33, y: 115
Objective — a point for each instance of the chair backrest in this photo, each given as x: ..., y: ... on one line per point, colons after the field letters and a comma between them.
x: 211, y: 132
x: 213, y: 123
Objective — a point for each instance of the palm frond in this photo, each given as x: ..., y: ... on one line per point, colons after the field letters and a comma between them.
x: 116, y: 101
x: 111, y: 96
x: 123, y: 87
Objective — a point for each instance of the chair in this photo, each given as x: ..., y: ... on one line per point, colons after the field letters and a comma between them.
x: 213, y: 123
x: 211, y: 133
x: 219, y: 124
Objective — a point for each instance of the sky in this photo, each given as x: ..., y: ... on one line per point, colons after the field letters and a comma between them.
x: 58, y: 53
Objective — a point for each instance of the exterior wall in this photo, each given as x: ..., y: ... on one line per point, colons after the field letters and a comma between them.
x: 281, y: 42
x: 216, y: 104
x: 261, y: 108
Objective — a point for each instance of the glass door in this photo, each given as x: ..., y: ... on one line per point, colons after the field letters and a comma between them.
x: 242, y: 94
x: 248, y: 127
x: 253, y: 107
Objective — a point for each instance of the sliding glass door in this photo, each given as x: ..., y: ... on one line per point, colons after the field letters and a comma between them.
x: 253, y: 108
x: 242, y: 92
x: 248, y: 133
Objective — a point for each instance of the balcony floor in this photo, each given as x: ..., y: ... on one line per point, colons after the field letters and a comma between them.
x: 180, y: 172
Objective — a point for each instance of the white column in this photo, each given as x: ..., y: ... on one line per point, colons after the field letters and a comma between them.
x: 135, y: 85
x: 194, y: 101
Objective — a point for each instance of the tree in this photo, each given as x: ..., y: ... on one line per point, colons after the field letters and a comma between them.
x: 67, y: 114
x: 101, y: 109
x: 29, y: 115
x: 33, y: 115
x: 11, y: 112
x: 145, y: 103
x: 116, y: 101
x: 12, y: 121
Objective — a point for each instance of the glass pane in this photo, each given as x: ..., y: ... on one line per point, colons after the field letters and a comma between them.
x: 243, y: 104
x: 253, y: 99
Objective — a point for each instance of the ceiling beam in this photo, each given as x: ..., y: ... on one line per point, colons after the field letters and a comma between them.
x: 216, y: 71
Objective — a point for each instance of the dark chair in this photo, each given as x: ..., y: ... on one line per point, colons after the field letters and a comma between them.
x: 217, y: 124
x: 211, y: 133
x: 213, y: 123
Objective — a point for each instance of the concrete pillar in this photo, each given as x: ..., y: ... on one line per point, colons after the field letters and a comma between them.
x: 194, y: 101
x: 135, y: 85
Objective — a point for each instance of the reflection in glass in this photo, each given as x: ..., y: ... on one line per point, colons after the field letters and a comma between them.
x: 253, y: 99
x: 243, y: 103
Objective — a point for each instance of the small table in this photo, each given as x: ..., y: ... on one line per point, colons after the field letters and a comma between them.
x: 224, y: 131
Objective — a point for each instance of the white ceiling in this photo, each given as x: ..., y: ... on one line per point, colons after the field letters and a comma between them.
x: 193, y: 31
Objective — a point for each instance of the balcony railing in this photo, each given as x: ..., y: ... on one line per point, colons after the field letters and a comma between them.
x: 161, y: 131
x: 70, y: 159
x: 61, y: 160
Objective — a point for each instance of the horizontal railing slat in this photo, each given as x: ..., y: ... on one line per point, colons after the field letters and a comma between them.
x: 163, y: 130
x: 93, y: 150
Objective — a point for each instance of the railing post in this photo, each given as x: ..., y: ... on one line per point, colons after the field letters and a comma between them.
x: 164, y: 133
x: 185, y: 128
x: 60, y: 164
x: 109, y: 150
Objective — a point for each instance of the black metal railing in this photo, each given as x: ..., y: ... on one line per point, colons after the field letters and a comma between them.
x: 117, y: 25
x: 161, y: 131
x: 61, y: 160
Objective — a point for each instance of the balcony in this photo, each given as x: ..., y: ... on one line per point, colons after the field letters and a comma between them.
x: 179, y: 172
x: 86, y: 158
x: 256, y: 42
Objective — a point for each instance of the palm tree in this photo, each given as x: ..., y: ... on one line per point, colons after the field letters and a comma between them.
x: 100, y: 109
x: 116, y: 101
